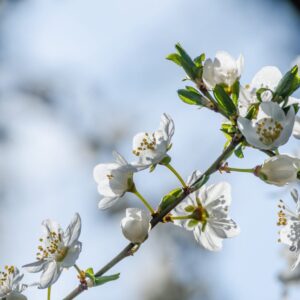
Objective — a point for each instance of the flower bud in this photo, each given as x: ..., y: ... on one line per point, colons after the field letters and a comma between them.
x: 279, y: 170
x: 136, y: 225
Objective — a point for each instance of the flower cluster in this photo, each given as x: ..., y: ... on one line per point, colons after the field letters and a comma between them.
x: 260, y: 115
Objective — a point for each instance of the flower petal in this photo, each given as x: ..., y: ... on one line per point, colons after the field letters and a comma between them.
x: 36, y: 266
x: 268, y: 76
x: 72, y: 232
x: 207, y: 238
x: 296, y: 129
x: 107, y: 202
x: 50, y: 275
x: 72, y: 255
x: 218, y: 196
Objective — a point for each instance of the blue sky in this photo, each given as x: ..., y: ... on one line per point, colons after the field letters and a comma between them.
x: 102, y: 64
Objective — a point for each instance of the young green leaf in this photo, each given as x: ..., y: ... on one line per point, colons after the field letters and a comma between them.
x: 190, y: 97
x: 224, y: 100
x: 168, y: 199
x: 104, y: 279
x: 289, y: 83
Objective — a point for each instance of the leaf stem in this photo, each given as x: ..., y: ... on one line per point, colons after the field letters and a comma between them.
x: 181, y: 217
x: 240, y: 170
x: 49, y: 293
x: 176, y: 174
x: 79, y: 271
x: 144, y: 201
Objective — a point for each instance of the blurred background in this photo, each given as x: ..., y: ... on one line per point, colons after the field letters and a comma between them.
x: 77, y: 80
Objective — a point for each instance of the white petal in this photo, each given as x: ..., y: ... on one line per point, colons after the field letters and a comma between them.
x: 268, y: 76
x: 248, y: 130
x: 296, y: 129
x: 271, y: 109
x: 240, y: 64
x: 72, y: 255
x: 36, y: 266
x: 50, y: 275
x: 107, y: 202
x: 193, y: 178
x: 72, y: 232
x: 218, y: 195
x: 167, y: 126
x: 208, y: 238
x: 119, y: 159
x: 225, y: 228
x: 296, y: 262
x: 208, y: 74
x: 101, y: 171
x: 287, y: 128
x: 51, y: 226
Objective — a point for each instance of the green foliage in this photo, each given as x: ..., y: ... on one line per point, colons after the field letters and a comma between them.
x: 170, y: 198
x: 193, y: 68
x: 260, y: 91
x: 289, y: 83
x: 235, y: 92
x: 239, y: 151
x: 102, y: 279
x: 190, y: 96
x: 224, y: 100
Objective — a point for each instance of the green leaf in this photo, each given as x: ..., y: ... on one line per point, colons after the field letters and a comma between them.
x: 176, y: 58
x: 289, y: 83
x: 201, y: 182
x: 260, y: 91
x: 104, y: 279
x: 186, y: 62
x: 199, y: 60
x: 252, y: 111
x: 192, y: 89
x: 239, y: 151
x: 224, y: 100
x: 235, y: 92
x: 190, y: 97
x: 90, y: 273
x: 168, y: 199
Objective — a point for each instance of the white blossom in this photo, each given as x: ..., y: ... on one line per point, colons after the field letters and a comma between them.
x: 223, y: 70
x: 10, y: 284
x: 136, y: 225
x: 296, y: 129
x: 268, y: 77
x: 59, y: 250
x: 270, y: 129
x: 114, y: 180
x: 279, y: 170
x: 290, y: 220
x: 152, y: 148
x: 207, y: 209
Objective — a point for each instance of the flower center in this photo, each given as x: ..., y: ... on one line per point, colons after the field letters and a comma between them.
x: 200, y: 214
x: 268, y: 130
x: 53, y: 247
x: 282, y: 220
x: 148, y: 142
x: 9, y: 270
